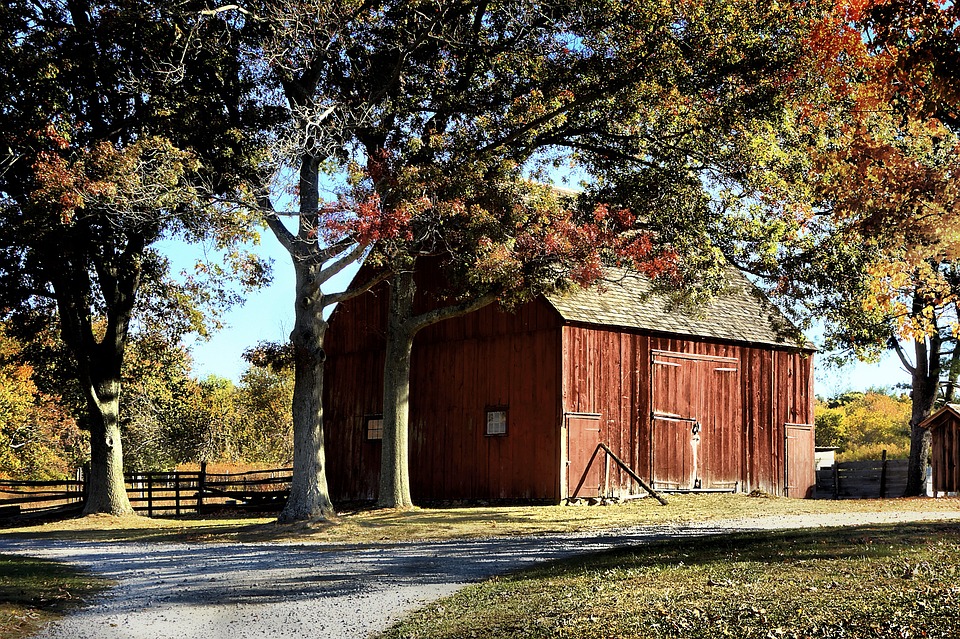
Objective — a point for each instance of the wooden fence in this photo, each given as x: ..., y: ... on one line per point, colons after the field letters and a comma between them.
x: 863, y: 479
x: 155, y: 494
x: 40, y: 498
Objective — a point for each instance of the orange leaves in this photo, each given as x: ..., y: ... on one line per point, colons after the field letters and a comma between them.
x: 367, y: 221
x: 914, y: 296
x: 883, y: 162
x: 144, y: 177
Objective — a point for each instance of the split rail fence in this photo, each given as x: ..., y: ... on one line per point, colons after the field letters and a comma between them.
x: 155, y: 494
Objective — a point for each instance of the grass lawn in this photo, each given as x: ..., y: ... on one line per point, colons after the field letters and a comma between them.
x: 34, y: 592
x: 872, y: 581
x: 387, y: 526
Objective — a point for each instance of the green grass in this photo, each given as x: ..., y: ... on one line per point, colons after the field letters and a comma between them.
x: 872, y: 581
x: 34, y: 592
x: 389, y: 526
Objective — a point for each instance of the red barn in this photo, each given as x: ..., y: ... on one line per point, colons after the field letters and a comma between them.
x: 512, y: 406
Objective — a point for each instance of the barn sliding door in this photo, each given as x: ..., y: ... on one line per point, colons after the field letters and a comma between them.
x: 675, y: 448
x: 696, y: 425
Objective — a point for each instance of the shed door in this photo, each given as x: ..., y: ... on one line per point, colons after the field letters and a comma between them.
x: 801, y: 473
x: 583, y: 435
x: 675, y: 429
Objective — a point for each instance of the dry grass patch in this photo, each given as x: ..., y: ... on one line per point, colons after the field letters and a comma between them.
x: 386, y: 526
x: 34, y: 592
x: 871, y: 581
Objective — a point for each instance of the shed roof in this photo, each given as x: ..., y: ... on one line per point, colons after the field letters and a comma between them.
x: 741, y: 313
x: 946, y: 413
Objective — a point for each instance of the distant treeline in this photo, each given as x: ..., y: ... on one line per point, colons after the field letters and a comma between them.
x: 168, y: 416
x: 863, y: 425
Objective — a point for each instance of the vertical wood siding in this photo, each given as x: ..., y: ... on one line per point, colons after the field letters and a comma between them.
x: 539, y: 372
x: 460, y: 369
x: 740, y: 396
x: 945, y: 454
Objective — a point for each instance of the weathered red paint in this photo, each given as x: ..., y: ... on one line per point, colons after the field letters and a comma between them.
x: 545, y: 372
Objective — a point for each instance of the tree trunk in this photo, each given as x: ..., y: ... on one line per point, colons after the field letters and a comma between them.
x: 309, y: 494
x: 106, y: 488
x: 394, y: 461
x: 953, y: 374
x: 100, y: 361
x: 925, y: 383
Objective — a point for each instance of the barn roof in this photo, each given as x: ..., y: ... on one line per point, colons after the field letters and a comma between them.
x: 947, y: 413
x: 741, y: 313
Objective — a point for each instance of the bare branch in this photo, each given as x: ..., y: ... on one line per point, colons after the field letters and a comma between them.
x: 357, y: 289
x: 439, y: 314
x: 903, y: 357
x: 342, y: 262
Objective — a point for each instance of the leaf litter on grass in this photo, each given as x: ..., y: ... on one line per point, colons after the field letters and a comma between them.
x: 865, y: 582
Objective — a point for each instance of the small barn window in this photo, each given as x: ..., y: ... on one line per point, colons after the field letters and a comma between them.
x: 496, y: 421
x: 374, y: 427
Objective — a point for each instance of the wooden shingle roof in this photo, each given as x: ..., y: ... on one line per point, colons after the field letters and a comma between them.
x: 740, y: 314
x: 946, y: 414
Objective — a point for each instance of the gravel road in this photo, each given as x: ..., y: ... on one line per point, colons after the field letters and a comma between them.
x: 306, y: 591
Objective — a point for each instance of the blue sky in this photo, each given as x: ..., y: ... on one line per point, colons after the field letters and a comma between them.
x: 268, y: 315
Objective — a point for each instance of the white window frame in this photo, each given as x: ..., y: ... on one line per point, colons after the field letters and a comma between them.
x: 497, y: 422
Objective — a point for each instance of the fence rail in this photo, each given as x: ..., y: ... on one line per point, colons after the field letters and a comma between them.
x: 863, y: 479
x: 155, y: 493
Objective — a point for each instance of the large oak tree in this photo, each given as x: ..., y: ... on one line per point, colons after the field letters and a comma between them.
x: 109, y: 143
x: 437, y: 115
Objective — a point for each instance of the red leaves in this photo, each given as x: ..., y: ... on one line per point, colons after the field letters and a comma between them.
x: 366, y: 221
x: 58, y: 185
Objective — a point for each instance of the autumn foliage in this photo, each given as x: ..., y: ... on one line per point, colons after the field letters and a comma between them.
x: 39, y: 439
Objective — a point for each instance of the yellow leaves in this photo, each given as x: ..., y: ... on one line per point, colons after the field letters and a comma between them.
x: 894, y: 287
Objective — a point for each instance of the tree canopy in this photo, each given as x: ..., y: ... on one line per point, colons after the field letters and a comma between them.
x: 437, y: 116
x: 109, y: 144
x: 869, y: 235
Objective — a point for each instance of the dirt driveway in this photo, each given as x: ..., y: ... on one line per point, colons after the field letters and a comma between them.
x: 261, y: 591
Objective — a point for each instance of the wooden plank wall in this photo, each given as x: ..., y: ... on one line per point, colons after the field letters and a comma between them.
x: 461, y: 368
x: 870, y: 479
x: 608, y: 372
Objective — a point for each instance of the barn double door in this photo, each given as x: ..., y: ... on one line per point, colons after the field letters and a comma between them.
x: 696, y: 426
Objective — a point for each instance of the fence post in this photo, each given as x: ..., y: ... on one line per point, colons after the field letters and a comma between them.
x: 149, y: 494
x: 883, y: 474
x: 79, y: 487
x: 176, y: 492
x: 201, y: 485
x: 85, y: 489
x: 836, y: 480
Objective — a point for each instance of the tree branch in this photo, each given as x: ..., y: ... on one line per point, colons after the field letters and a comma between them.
x: 439, y: 314
x: 903, y: 356
x: 358, y: 289
x: 342, y: 262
